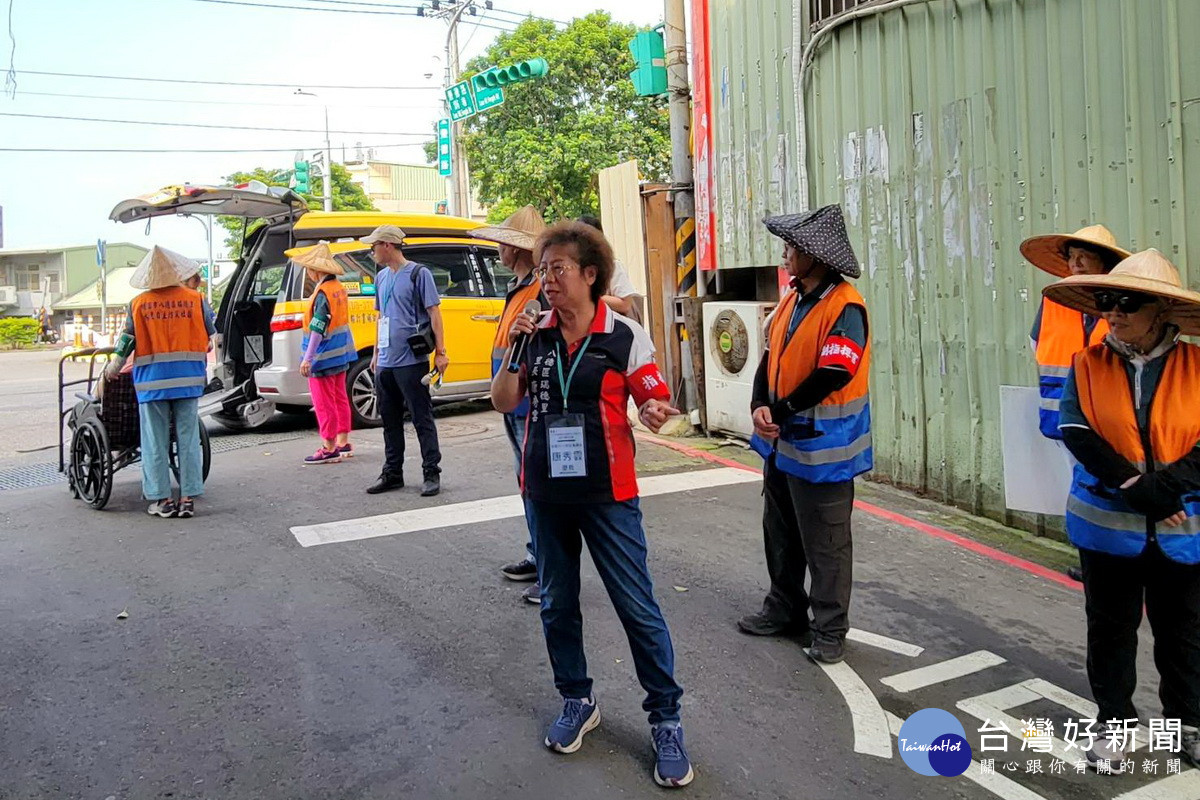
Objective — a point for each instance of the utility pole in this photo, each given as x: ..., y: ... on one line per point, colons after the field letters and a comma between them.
x: 458, y: 184
x: 682, y: 180
x: 328, y: 172
x: 681, y: 158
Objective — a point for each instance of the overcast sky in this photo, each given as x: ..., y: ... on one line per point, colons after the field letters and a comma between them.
x: 55, y: 198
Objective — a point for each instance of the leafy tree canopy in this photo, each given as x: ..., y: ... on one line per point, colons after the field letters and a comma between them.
x: 347, y: 196
x: 547, y: 142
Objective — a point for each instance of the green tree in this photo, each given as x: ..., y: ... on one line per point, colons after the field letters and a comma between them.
x: 347, y: 196
x: 547, y: 142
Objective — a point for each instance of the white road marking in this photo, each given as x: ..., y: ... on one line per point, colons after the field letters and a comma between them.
x: 1184, y: 786
x: 997, y: 784
x: 884, y: 643
x: 494, y: 508
x: 994, y: 705
x: 870, y: 723
x: 942, y: 671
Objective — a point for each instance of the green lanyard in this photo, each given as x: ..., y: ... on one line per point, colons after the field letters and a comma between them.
x: 565, y: 386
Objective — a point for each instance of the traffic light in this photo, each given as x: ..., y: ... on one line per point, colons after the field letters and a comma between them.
x: 528, y: 70
x: 650, y: 77
x: 300, y: 177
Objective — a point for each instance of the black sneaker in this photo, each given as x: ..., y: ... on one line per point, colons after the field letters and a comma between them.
x: 431, y: 487
x: 533, y: 594
x: 386, y: 483
x: 762, y: 625
x: 826, y: 651
x: 524, y: 570
x: 187, y: 508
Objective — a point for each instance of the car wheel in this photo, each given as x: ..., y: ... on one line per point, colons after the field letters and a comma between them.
x: 360, y: 386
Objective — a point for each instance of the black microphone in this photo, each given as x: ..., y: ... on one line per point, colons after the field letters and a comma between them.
x: 531, y: 310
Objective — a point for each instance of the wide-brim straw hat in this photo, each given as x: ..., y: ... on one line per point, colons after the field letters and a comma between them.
x: 821, y: 234
x: 316, y: 258
x: 519, y: 230
x: 161, y: 268
x: 1049, y: 253
x: 1148, y: 272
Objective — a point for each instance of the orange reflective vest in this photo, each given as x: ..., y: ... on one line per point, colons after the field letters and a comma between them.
x: 170, y: 354
x: 1097, y: 517
x: 830, y: 442
x: 513, y: 306
x: 336, y: 349
x: 1061, y: 336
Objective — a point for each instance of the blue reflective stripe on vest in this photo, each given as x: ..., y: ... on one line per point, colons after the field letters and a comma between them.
x: 828, y: 444
x: 335, y: 350
x: 522, y: 409
x: 1050, y: 386
x: 1182, y: 544
x: 170, y: 380
x: 1099, y: 519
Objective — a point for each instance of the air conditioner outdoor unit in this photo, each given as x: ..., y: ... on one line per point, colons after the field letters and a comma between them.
x: 734, y: 340
x: 8, y: 295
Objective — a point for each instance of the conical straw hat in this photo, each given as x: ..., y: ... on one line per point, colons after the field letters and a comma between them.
x: 1049, y: 253
x: 161, y: 268
x: 316, y: 258
x: 519, y: 230
x: 1148, y: 272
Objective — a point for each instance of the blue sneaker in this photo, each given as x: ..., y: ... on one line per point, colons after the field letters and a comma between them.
x: 671, y: 767
x: 577, y: 718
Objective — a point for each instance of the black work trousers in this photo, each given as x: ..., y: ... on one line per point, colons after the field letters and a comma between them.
x: 400, y: 388
x: 806, y: 527
x: 1115, y: 588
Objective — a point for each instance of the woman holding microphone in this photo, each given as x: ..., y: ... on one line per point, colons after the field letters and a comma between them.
x: 578, y: 365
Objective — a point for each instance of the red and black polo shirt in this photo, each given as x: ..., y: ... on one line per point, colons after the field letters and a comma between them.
x: 617, y: 362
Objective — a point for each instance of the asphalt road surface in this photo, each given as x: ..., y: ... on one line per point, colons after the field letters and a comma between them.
x: 301, y: 639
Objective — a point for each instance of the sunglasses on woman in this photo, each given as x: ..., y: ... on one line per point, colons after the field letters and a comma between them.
x: 1125, y: 302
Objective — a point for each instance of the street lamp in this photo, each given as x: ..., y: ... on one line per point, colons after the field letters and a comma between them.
x: 328, y: 193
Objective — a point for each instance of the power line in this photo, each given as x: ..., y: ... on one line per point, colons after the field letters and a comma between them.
x: 334, y: 10
x: 206, y: 102
x: 310, y: 8
x: 527, y: 15
x: 227, y: 83
x: 193, y: 150
x: 204, y: 125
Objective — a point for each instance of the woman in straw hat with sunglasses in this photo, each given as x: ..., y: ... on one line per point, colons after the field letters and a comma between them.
x: 1128, y: 415
x: 1059, y: 332
x: 327, y: 352
x: 516, y: 237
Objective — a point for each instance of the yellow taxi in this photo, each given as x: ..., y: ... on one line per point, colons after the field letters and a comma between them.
x: 260, y: 316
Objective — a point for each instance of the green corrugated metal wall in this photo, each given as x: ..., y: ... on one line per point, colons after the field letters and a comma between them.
x: 953, y: 129
x: 950, y: 130
x: 754, y: 126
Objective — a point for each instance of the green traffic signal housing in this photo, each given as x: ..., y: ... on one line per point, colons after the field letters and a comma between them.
x: 300, y: 177
x: 528, y: 70
x: 650, y: 54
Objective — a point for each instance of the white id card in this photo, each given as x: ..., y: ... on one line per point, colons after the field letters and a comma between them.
x: 564, y: 438
x: 383, y: 333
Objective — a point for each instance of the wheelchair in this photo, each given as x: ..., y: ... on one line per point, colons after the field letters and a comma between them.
x: 104, y: 433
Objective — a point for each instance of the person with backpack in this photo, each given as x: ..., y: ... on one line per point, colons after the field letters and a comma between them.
x: 409, y: 331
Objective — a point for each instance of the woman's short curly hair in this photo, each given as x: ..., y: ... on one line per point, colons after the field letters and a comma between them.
x: 591, y: 250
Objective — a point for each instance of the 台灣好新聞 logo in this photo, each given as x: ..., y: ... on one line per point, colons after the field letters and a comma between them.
x: 933, y: 742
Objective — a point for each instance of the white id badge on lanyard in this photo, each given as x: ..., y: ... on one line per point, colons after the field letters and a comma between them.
x: 565, y: 442
x: 383, y: 332
x: 567, y: 449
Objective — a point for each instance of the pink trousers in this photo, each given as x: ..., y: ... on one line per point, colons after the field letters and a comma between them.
x: 331, y: 404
